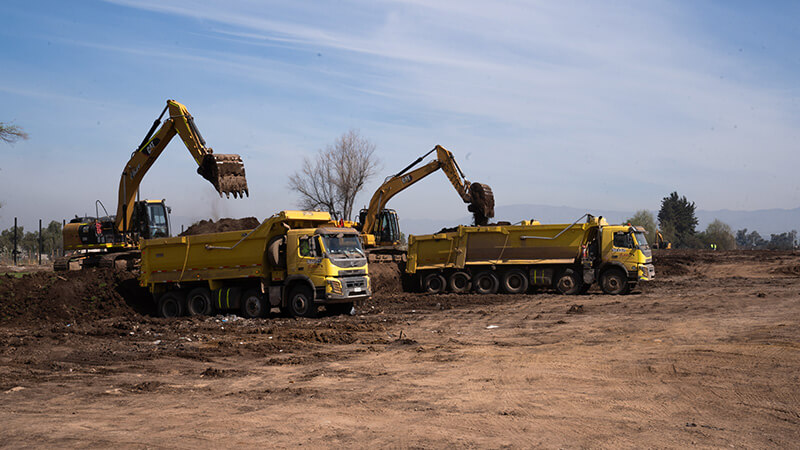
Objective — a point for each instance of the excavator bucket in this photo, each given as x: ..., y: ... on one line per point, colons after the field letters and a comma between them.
x: 481, y: 203
x: 226, y: 173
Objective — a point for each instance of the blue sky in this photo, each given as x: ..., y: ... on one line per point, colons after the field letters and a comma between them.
x: 596, y: 105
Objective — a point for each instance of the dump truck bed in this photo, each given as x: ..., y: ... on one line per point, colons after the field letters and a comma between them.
x: 204, y: 256
x: 510, y: 244
x: 219, y: 256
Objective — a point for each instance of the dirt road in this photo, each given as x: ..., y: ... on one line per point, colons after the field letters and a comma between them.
x: 707, y: 356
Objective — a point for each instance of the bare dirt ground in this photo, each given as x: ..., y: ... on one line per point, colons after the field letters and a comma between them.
x: 708, y: 355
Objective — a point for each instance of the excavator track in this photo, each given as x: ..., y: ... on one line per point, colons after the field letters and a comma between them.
x: 128, y: 260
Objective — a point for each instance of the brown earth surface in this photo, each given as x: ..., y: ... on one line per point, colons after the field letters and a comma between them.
x: 707, y: 355
x: 226, y: 224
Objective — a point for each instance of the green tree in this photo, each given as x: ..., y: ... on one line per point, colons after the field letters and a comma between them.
x: 783, y: 241
x: 678, y: 221
x: 720, y: 234
x: 644, y: 218
x: 750, y: 240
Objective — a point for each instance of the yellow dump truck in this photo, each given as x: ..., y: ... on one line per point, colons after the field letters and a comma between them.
x: 294, y: 260
x: 513, y: 258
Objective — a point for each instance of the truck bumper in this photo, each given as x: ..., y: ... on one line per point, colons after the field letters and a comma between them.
x: 647, y: 272
x: 335, y: 298
x: 348, y: 290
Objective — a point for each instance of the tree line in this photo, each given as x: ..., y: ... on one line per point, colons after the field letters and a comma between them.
x: 28, y: 243
x: 677, y: 224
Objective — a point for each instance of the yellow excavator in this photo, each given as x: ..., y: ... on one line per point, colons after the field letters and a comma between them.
x: 380, y: 229
x: 106, y: 241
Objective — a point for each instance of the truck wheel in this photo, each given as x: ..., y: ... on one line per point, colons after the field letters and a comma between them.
x: 434, y: 283
x: 515, y: 282
x: 301, y: 302
x: 171, y: 304
x: 459, y: 282
x: 568, y: 282
x: 486, y: 283
x: 252, y: 304
x: 198, y: 302
x: 614, y: 282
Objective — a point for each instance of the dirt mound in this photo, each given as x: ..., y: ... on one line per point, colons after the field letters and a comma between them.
x: 226, y: 224
x: 46, y: 297
x: 386, y: 277
x: 670, y: 266
x: 791, y: 270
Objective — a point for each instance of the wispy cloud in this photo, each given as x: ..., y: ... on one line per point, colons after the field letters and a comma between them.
x: 637, y: 97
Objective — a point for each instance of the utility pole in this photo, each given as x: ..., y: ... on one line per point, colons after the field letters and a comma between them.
x: 14, y: 252
x: 40, y: 242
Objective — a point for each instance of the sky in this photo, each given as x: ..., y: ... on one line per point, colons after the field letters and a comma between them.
x: 597, y: 105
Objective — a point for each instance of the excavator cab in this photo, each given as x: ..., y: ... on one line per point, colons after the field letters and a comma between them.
x: 387, y: 227
x: 151, y: 219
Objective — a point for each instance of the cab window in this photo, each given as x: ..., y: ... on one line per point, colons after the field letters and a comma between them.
x: 308, y: 247
x: 623, y: 239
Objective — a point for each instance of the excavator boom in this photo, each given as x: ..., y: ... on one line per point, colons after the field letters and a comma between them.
x: 224, y: 171
x: 478, y: 196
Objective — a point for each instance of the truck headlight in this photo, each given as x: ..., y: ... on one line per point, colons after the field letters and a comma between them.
x: 336, y: 286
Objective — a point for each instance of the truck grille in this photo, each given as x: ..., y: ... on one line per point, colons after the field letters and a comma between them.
x: 358, y: 282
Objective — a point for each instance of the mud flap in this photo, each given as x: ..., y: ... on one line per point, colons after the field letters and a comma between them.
x: 275, y: 295
x: 588, y: 276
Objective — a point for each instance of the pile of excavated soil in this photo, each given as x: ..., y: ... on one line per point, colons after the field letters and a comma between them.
x: 670, y: 263
x: 226, y: 224
x: 47, y: 297
x: 386, y: 277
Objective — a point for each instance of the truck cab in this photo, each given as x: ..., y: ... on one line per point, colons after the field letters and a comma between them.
x: 334, y: 263
x: 626, y: 248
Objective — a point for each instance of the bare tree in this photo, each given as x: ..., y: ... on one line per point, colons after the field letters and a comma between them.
x: 332, y: 180
x: 11, y: 133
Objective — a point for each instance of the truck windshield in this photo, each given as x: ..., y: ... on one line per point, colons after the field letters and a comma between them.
x: 641, y: 240
x: 342, y: 244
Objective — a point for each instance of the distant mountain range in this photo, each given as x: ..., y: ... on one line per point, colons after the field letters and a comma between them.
x: 765, y: 221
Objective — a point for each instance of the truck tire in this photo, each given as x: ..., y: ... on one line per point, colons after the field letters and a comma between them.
x: 568, y: 282
x: 171, y: 304
x: 515, y: 282
x: 434, y: 283
x: 486, y: 283
x: 252, y: 304
x: 614, y: 282
x: 198, y: 302
x: 301, y: 302
x: 459, y: 282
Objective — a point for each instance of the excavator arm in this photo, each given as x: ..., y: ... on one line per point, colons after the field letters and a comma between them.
x: 479, y: 196
x: 224, y: 171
